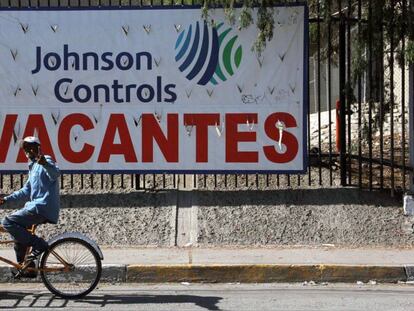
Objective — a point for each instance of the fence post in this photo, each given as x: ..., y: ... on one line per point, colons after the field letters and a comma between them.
x: 411, y: 111
x: 411, y: 122
x: 342, y: 97
x: 408, y: 199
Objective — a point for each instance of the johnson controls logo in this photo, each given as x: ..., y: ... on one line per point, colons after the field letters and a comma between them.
x: 208, y: 54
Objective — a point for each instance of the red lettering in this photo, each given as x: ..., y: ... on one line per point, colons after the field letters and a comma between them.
x: 64, y: 138
x: 151, y: 131
x: 6, y: 135
x: 36, y: 124
x: 202, y: 121
x: 233, y: 137
x: 118, y: 124
x: 288, y: 139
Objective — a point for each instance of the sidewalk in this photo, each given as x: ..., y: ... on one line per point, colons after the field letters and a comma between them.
x: 282, y: 264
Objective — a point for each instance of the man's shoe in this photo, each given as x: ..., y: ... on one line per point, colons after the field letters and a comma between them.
x: 36, y: 252
x: 17, y: 275
x: 26, y: 274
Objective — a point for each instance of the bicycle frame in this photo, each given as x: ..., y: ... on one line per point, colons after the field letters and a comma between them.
x: 32, y: 230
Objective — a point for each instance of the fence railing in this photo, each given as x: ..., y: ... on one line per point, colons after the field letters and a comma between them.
x: 364, y: 143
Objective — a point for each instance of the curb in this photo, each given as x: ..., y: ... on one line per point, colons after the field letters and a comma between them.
x: 264, y: 273
x: 117, y: 273
x: 114, y: 273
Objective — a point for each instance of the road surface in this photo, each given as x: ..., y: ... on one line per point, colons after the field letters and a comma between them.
x: 238, y: 297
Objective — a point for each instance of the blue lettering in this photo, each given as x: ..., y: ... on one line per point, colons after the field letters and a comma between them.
x: 124, y: 61
x: 51, y: 64
x: 95, y: 59
x: 138, y: 60
x: 38, y: 60
x: 108, y: 61
x: 58, y: 89
x: 173, y: 95
x: 77, y: 93
x: 67, y: 55
x: 96, y: 89
x: 143, y: 96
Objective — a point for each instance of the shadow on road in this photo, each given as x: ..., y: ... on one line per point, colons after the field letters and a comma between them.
x: 24, y: 300
x: 207, y: 302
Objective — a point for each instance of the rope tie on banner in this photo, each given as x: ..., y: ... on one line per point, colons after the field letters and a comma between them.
x: 137, y: 122
x: 281, y: 127
x: 158, y: 116
x: 52, y: 62
x: 177, y: 27
x: 260, y: 60
x: 125, y: 29
x: 146, y: 93
x: 54, y: 28
x: 292, y: 88
x: 189, y: 129
x: 55, y: 117
x: 75, y: 137
x: 66, y: 90
x: 188, y: 92
x: 15, y: 137
x: 35, y: 89
x: 147, y: 28
x: 16, y: 132
x: 13, y: 53
x: 95, y: 119
x: 250, y: 125
x: 76, y: 134
x: 220, y: 129
x: 25, y: 27
x: 16, y: 91
x: 157, y: 61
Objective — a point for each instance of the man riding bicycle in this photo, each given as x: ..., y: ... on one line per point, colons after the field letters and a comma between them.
x: 42, y: 187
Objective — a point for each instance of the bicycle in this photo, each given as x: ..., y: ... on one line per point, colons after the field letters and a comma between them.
x: 71, y: 267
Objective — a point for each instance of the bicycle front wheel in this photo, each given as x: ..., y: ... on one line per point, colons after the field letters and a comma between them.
x: 71, y: 268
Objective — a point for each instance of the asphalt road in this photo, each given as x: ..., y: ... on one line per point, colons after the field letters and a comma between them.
x: 238, y: 297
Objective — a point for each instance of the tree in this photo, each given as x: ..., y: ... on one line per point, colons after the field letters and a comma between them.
x: 384, y: 21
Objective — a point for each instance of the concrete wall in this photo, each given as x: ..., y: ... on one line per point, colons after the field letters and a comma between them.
x: 344, y: 216
x: 302, y: 217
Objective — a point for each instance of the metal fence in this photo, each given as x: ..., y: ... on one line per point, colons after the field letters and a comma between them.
x: 357, y: 133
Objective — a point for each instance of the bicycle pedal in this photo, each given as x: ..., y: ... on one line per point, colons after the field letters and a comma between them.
x: 16, y: 274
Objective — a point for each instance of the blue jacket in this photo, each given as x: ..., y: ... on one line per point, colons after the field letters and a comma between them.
x: 42, y: 187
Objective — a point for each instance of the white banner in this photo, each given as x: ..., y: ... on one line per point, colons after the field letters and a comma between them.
x: 156, y: 90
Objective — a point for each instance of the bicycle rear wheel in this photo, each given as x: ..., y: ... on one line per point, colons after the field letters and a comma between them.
x: 84, y: 270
